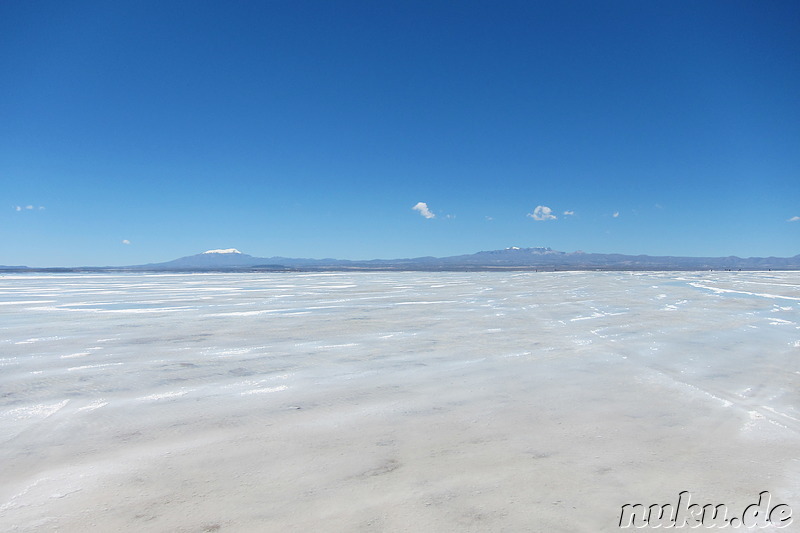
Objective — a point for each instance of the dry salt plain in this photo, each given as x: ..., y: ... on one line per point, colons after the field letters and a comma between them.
x: 339, y: 402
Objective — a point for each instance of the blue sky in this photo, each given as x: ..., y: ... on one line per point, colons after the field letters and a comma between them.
x: 141, y: 131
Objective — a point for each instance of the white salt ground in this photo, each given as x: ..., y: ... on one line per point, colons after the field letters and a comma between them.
x: 392, y: 401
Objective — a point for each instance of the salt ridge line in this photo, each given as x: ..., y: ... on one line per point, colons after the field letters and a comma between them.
x: 761, y: 294
x: 770, y: 414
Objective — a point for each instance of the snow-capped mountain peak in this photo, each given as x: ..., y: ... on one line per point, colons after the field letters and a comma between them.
x: 225, y: 251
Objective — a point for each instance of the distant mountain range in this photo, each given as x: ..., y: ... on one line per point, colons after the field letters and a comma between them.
x: 509, y: 258
x: 512, y: 258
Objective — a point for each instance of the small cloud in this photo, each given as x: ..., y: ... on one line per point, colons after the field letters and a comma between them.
x: 25, y: 207
x: 794, y: 219
x: 616, y: 214
x: 41, y: 207
x: 659, y: 206
x: 29, y: 207
x: 17, y: 208
x: 489, y: 219
x: 125, y: 241
x: 542, y: 212
x: 569, y: 213
x: 449, y: 217
x: 422, y: 207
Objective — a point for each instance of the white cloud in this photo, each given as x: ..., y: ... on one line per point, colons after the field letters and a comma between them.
x: 125, y: 241
x: 542, y: 212
x: 25, y: 207
x: 616, y: 214
x: 569, y: 213
x: 489, y: 219
x: 794, y: 219
x: 17, y: 208
x: 422, y: 207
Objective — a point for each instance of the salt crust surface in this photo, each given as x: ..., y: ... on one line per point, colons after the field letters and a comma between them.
x: 392, y: 401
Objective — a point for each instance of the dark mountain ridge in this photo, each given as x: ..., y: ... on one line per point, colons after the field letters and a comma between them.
x: 509, y: 258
